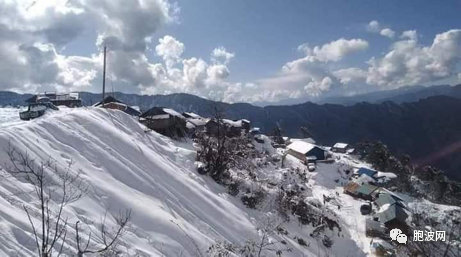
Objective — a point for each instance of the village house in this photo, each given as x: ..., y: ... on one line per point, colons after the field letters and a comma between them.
x: 302, y: 150
x: 365, y: 191
x: 340, y: 148
x: 369, y: 173
x: 384, y: 198
x: 195, y: 122
x: 255, y: 131
x: 393, y: 216
x: 164, y: 121
x: 111, y: 103
x: 374, y: 228
x: 70, y: 100
x: 228, y: 127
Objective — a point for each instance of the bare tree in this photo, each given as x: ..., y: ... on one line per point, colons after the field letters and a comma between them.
x: 267, y: 243
x: 107, y: 239
x: 215, y: 150
x: 50, y: 185
x: 56, y: 187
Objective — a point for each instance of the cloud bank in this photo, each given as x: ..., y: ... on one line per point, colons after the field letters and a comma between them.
x: 35, y: 35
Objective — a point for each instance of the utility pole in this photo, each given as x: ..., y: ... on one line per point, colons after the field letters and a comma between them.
x: 104, y: 78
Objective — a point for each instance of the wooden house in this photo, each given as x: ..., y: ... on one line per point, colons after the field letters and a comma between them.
x: 70, y: 100
x: 303, y: 150
x: 111, y: 103
x: 165, y: 121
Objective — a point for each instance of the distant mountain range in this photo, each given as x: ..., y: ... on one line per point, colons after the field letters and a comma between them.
x: 400, y: 95
x: 423, y: 122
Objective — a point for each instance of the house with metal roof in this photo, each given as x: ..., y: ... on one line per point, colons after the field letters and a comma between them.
x: 302, y: 150
x: 393, y: 216
x: 365, y: 191
x: 111, y: 102
x: 367, y: 172
x: 384, y: 198
x: 165, y: 121
x: 340, y: 147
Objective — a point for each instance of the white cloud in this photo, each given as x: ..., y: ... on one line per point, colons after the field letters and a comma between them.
x: 221, y: 55
x: 335, y: 50
x: 373, y: 26
x: 387, y: 33
x: 409, y: 63
x: 170, y: 50
x: 350, y: 75
x: 459, y: 77
x: 410, y: 34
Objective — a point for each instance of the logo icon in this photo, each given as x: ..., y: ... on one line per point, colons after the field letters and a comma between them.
x: 402, y: 239
x: 397, y: 235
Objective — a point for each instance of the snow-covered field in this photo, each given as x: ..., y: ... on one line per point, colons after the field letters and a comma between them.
x: 176, y: 211
x: 8, y: 115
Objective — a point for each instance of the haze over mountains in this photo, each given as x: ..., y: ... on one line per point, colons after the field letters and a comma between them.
x: 423, y: 122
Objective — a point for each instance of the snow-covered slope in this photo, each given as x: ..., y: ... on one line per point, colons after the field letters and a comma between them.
x: 127, y: 168
x: 176, y: 211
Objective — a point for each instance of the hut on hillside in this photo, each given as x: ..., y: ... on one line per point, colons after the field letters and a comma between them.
x: 365, y: 191
x: 70, y: 100
x: 230, y: 128
x: 366, y: 172
x: 304, y: 150
x: 165, y: 121
x: 340, y: 148
x: 111, y: 103
x: 393, y: 216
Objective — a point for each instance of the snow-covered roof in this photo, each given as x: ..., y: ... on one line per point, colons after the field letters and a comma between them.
x: 193, y: 115
x: 301, y: 147
x: 364, y: 171
x: 308, y: 140
x: 232, y: 123
x: 160, y: 117
x: 190, y: 125
x: 393, y: 212
x: 155, y: 111
x: 173, y: 113
x: 198, y: 122
x: 255, y: 129
x: 340, y: 145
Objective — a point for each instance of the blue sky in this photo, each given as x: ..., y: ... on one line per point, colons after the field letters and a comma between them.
x: 231, y: 50
x: 265, y: 34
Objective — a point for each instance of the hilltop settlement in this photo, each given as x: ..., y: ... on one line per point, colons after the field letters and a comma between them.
x: 316, y: 200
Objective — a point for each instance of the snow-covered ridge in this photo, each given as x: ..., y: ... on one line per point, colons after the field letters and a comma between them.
x: 127, y: 168
x: 155, y: 177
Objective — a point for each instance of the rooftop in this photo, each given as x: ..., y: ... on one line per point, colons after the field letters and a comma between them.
x: 340, y: 145
x: 301, y: 147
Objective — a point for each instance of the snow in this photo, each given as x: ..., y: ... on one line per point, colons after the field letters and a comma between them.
x: 173, y: 113
x: 126, y: 168
x: 156, y: 178
x: 190, y: 125
x: 301, y: 146
x: 38, y: 108
x: 160, y: 117
x: 198, y: 122
x: 236, y: 124
x: 388, y: 175
x: 193, y: 115
x: 383, y: 208
x: 9, y: 115
x: 307, y: 140
x: 340, y: 145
